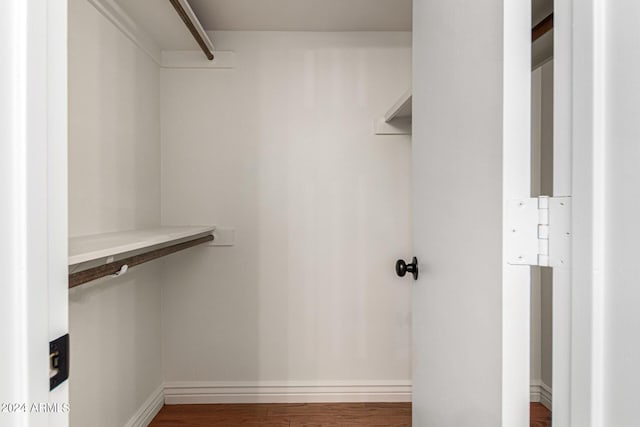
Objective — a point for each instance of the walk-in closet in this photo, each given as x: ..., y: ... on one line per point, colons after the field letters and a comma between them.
x: 272, y: 148
x: 301, y: 212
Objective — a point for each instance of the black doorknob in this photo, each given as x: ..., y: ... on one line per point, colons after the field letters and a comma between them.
x: 403, y: 268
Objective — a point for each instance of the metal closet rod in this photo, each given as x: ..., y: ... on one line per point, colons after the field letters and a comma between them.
x: 542, y: 28
x: 81, y: 277
x: 186, y: 18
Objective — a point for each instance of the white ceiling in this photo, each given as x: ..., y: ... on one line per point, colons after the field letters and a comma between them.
x: 159, y: 19
x: 304, y: 15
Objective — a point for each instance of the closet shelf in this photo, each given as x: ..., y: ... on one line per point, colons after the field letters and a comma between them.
x: 397, y: 121
x: 95, y: 256
x: 96, y: 246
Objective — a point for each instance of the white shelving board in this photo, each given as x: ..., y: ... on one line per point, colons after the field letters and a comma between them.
x: 90, y: 248
x: 397, y: 121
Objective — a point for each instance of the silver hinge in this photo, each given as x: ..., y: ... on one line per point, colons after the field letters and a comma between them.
x: 539, y: 231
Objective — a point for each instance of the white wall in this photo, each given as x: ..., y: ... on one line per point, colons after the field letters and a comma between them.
x: 620, y: 159
x: 542, y: 184
x: 114, y: 184
x: 282, y: 148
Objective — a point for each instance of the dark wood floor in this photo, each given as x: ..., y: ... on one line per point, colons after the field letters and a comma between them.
x: 540, y: 415
x: 286, y: 415
x: 304, y: 414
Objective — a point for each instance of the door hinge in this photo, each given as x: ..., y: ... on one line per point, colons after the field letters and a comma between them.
x: 539, y: 231
x: 58, y: 361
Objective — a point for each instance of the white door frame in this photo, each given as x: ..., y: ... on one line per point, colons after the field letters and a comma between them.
x: 562, y: 186
x: 579, y: 173
x: 516, y: 163
x: 33, y: 218
x: 578, y: 292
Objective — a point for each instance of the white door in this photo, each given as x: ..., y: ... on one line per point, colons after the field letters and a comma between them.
x: 33, y: 218
x: 471, y: 151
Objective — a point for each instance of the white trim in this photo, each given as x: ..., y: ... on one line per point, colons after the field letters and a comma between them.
x: 56, y: 191
x: 534, y: 393
x: 148, y: 410
x: 516, y: 178
x: 164, y: 58
x: 32, y: 220
x: 578, y: 340
x: 286, y: 392
x: 562, y: 186
x: 542, y: 393
x: 195, y: 59
x: 114, y: 13
x: 546, y: 396
x: 15, y: 385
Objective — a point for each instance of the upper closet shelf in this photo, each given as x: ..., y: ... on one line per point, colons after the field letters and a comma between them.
x: 95, y: 247
x: 397, y: 121
x: 112, y: 254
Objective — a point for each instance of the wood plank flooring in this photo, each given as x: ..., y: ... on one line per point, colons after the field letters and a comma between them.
x: 303, y: 414
x: 286, y: 415
x: 540, y: 415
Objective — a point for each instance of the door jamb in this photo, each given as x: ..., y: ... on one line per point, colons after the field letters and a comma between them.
x: 578, y: 334
x: 33, y: 218
x: 516, y: 178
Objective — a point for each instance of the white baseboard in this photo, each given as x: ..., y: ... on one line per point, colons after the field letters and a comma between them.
x: 176, y: 393
x: 546, y: 396
x: 148, y: 410
x: 540, y: 392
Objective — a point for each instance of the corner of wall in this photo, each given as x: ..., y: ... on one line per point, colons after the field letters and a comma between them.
x: 148, y: 410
